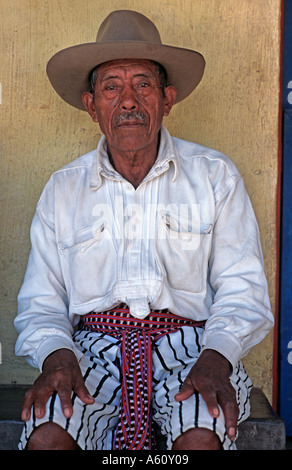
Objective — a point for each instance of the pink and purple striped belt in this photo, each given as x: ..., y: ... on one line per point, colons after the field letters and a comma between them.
x: 134, y: 430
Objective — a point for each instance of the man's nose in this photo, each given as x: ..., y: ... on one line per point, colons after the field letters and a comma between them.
x: 128, y: 98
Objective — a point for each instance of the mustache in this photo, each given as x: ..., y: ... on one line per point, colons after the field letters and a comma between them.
x: 128, y: 116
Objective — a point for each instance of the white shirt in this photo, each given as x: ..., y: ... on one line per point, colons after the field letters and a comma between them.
x: 186, y: 239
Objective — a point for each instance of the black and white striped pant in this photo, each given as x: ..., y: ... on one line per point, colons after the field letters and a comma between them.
x: 93, y: 426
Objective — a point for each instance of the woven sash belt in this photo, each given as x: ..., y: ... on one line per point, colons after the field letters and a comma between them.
x: 134, y: 430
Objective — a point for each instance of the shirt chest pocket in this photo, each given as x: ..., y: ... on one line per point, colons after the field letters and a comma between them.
x: 88, y: 259
x: 183, y: 248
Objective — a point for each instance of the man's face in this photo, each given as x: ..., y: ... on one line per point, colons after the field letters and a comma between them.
x: 129, y: 103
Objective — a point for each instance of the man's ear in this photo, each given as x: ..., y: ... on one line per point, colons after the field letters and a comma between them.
x: 88, y: 102
x: 170, y: 97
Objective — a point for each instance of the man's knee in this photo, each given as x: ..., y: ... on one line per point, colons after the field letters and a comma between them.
x: 197, y: 439
x: 50, y: 436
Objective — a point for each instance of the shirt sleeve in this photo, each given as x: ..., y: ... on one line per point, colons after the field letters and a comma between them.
x: 42, y: 320
x: 240, y: 316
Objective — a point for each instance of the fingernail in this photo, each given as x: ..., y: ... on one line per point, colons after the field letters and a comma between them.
x: 67, y: 413
x: 231, y: 432
x: 215, y: 412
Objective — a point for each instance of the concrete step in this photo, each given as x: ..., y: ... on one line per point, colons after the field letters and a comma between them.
x: 11, y: 397
x: 264, y: 430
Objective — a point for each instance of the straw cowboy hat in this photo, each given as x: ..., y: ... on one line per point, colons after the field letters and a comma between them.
x: 123, y: 34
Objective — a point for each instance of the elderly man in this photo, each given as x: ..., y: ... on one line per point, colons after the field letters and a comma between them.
x: 145, y: 285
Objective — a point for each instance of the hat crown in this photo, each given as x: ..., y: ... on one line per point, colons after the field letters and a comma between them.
x: 127, y: 26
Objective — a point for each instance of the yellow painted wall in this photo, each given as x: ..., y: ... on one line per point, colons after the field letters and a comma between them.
x: 235, y: 110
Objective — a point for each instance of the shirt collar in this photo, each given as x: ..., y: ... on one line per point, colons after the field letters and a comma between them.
x: 101, y: 166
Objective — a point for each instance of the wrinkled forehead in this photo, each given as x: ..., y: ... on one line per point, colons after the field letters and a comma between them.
x: 125, y: 67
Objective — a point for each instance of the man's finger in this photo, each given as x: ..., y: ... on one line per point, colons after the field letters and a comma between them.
x: 66, y: 403
x: 82, y: 393
x: 26, y: 406
x: 187, y: 389
x: 37, y: 400
x: 230, y: 410
x: 211, y: 401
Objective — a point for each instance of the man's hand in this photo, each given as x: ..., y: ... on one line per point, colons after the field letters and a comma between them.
x: 61, y: 373
x: 210, y: 377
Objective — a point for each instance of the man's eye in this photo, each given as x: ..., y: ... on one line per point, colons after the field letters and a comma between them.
x: 144, y: 88
x: 110, y: 88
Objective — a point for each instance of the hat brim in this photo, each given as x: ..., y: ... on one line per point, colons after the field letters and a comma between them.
x: 69, y: 69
